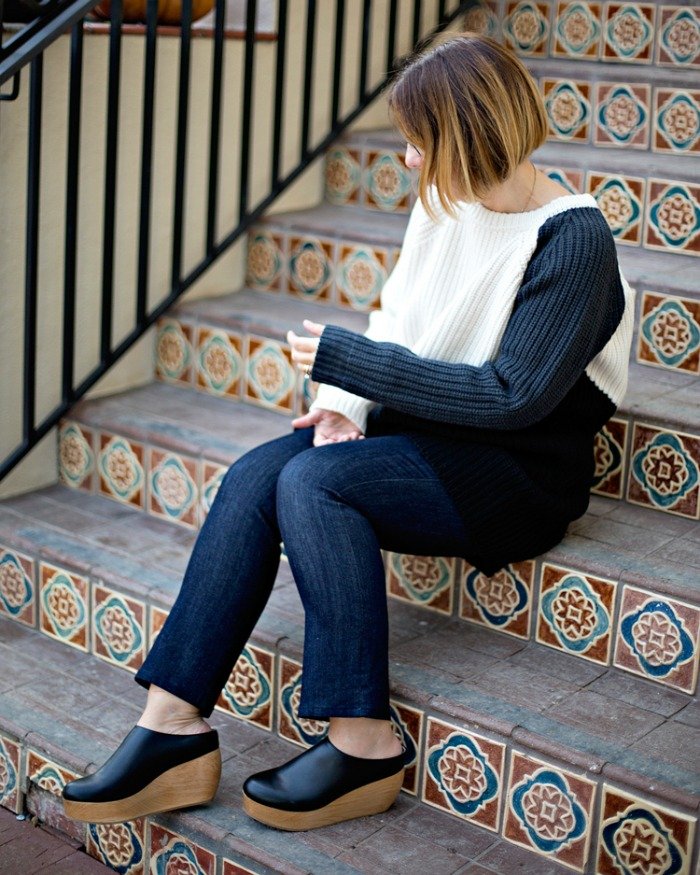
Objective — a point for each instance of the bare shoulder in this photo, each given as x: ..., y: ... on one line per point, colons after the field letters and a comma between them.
x: 549, y: 189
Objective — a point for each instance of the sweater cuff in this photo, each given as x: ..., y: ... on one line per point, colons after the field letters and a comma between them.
x: 351, y: 406
x: 332, y: 355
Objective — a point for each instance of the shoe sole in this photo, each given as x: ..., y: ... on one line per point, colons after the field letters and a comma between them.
x: 371, y: 799
x: 192, y: 783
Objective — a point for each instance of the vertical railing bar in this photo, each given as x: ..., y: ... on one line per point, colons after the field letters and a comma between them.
x: 391, y: 37
x: 279, y: 91
x: 181, y: 147
x: 217, y: 68
x: 442, y: 5
x: 308, y: 76
x: 147, y: 121
x: 248, y: 69
x: 417, y: 5
x: 71, y: 235
x: 32, y: 245
x: 338, y: 60
x: 110, y: 194
x: 364, y: 53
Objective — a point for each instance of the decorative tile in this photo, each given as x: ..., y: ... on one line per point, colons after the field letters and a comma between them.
x: 265, y: 264
x: 622, y: 115
x: 423, y: 580
x: 577, y: 30
x: 609, y: 456
x: 361, y: 273
x: 231, y: 868
x: 526, y: 27
x: 17, y: 591
x: 212, y: 475
x: 311, y: 263
x: 463, y: 773
x: 120, y: 846
x: 501, y: 602
x: 407, y: 724
x: 76, y: 456
x: 568, y: 108
x: 172, y: 853
x: 658, y: 639
x: 343, y: 175
x: 248, y: 691
x: 673, y: 217
x: 549, y: 811
x: 118, y: 628
x: 63, y: 611
x: 10, y: 796
x: 270, y: 375
x: 483, y: 18
x: 306, y: 394
x: 174, y: 351
x: 172, y: 491
x: 219, y: 362
x: 621, y: 200
x: 664, y: 470
x: 120, y: 467
x: 628, y: 32
x: 387, y: 182
x: 676, y: 121
x: 678, y: 40
x: 639, y: 836
x: 669, y: 332
x: 47, y: 774
x: 156, y: 620
x: 570, y: 178
x: 575, y: 613
x: 298, y: 729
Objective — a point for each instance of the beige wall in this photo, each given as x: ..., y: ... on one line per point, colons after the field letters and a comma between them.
x: 228, y: 273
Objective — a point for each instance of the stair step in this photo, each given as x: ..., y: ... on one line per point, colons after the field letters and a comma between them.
x: 521, y: 703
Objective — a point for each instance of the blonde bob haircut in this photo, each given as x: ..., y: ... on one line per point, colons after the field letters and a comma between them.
x: 473, y: 111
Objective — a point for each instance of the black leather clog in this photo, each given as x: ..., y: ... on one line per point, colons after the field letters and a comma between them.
x: 149, y: 772
x: 321, y: 786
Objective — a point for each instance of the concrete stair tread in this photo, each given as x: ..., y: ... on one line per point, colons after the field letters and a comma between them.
x: 91, y: 707
x: 589, y: 714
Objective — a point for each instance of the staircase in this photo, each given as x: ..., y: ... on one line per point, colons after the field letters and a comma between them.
x: 548, y: 710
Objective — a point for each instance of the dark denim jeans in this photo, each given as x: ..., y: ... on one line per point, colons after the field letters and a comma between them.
x: 334, y: 507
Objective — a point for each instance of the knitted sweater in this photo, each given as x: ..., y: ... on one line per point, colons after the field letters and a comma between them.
x: 501, y: 348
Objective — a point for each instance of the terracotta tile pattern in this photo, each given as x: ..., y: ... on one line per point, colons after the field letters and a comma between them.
x: 118, y: 628
x: 503, y: 601
x: 676, y: 121
x: 76, y: 455
x: 673, y: 216
x: 424, y: 580
x: 63, y: 606
x: 120, y: 846
x: 621, y: 200
x: 610, y: 459
x: 628, y: 32
x: 669, y: 332
x: 568, y: 104
x: 300, y: 730
x: 47, y: 774
x: 10, y: 774
x: 622, y: 114
x: 577, y: 30
x: 526, y: 27
x: 172, y: 488
x: 248, y: 692
x: 171, y: 852
x: 407, y: 723
x: 17, y: 586
x: 678, y: 37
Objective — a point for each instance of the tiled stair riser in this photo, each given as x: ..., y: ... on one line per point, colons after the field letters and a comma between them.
x: 490, y: 780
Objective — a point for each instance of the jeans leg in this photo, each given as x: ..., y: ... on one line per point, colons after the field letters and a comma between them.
x: 228, y: 579
x: 337, y: 507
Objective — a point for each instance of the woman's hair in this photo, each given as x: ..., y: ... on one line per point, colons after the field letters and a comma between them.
x: 473, y: 110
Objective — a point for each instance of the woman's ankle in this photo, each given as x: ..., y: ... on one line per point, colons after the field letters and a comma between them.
x: 165, y: 712
x: 364, y: 737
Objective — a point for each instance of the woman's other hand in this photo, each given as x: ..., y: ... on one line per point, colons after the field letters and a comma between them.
x: 304, y: 348
x: 330, y: 427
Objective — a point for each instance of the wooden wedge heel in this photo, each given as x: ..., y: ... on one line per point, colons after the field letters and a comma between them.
x: 148, y: 773
x: 322, y: 786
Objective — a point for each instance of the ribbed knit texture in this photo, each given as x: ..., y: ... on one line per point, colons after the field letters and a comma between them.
x: 501, y: 349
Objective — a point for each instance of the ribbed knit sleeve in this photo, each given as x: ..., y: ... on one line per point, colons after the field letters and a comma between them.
x: 567, y: 308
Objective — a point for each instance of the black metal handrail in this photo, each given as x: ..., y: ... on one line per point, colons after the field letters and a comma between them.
x: 73, y: 17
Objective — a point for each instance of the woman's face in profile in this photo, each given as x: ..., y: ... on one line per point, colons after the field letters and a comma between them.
x: 413, y: 158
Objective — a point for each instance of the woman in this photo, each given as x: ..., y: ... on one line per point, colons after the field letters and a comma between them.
x: 500, y: 350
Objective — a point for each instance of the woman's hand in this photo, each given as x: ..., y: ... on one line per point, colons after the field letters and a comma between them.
x: 330, y: 427
x: 304, y: 348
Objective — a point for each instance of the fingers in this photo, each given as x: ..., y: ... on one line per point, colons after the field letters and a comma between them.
x: 307, y: 419
x: 302, y: 344
x: 313, y: 327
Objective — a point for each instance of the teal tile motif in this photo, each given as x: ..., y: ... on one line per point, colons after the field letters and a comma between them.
x: 76, y: 458
x: 403, y: 734
x: 657, y: 638
x: 178, y: 858
x: 173, y: 351
x: 118, y: 630
x: 568, y: 109
x: 526, y: 27
x: 343, y: 176
x: 118, y: 846
x: 212, y: 479
x: 16, y: 586
x: 671, y: 332
x: 622, y: 115
x: 563, y: 179
x: 608, y: 457
x: 637, y: 836
x: 577, y: 31
x: 463, y: 774
x: 9, y: 779
x: 265, y: 260
x: 121, y: 469
x: 172, y: 486
x: 677, y: 121
x: 247, y: 691
x: 499, y: 598
x: 679, y: 38
x: 548, y: 811
x: 620, y: 200
x: 310, y: 268
x: 360, y: 277
x: 423, y: 580
x: 269, y: 374
x: 219, y: 364
x: 300, y: 730
x: 575, y: 614
x: 629, y: 32
x: 386, y: 181
x: 665, y: 469
x: 63, y: 606
x: 675, y: 216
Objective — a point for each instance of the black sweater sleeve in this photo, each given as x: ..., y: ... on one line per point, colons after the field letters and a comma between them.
x: 567, y: 308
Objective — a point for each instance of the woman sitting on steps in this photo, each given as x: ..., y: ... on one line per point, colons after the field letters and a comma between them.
x: 460, y: 424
